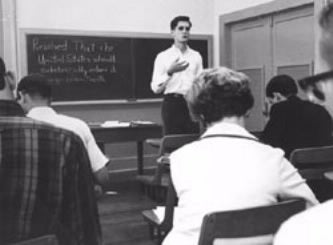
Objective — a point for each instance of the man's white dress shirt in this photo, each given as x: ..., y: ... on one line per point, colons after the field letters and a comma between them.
x: 311, y: 227
x: 179, y: 82
x: 224, y: 173
x: 79, y: 127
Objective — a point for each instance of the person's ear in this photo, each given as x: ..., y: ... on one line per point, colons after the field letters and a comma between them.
x: 25, y: 98
x: 10, y: 80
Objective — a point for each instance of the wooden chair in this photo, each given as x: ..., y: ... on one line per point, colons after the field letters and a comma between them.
x: 158, y: 229
x: 248, y: 223
x: 155, y: 185
x: 312, y: 163
x: 43, y: 240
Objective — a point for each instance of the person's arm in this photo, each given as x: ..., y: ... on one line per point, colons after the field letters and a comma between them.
x: 97, y: 158
x: 200, y: 65
x: 292, y: 185
x: 160, y: 75
x: 163, y: 72
x: 102, y: 176
x: 274, y: 128
x: 323, y: 127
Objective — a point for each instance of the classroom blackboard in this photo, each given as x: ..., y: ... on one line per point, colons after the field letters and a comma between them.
x: 100, y: 67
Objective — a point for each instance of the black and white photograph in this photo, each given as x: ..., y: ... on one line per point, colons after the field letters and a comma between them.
x: 154, y: 122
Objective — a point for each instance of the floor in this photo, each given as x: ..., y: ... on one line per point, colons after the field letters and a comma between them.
x: 120, y: 213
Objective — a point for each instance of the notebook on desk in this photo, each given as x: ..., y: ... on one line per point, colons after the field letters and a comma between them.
x: 142, y: 123
x: 115, y: 124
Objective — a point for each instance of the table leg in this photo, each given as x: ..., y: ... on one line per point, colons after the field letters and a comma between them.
x: 140, y: 156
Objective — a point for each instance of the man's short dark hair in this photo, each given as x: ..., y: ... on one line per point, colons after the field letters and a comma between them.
x: 2, y: 73
x: 35, y: 85
x: 282, y: 84
x: 177, y: 19
x: 326, y: 16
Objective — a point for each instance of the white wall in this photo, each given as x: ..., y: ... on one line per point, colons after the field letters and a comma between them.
x: 127, y: 15
x: 148, y: 16
x: 114, y: 15
x: 225, y: 7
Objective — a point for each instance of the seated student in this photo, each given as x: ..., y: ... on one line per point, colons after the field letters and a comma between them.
x: 35, y: 95
x: 46, y: 184
x: 294, y: 123
x: 227, y: 168
x: 313, y: 227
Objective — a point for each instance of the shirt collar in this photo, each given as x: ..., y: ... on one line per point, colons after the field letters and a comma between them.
x: 10, y: 108
x: 41, y: 110
x: 227, y: 128
x: 178, y: 50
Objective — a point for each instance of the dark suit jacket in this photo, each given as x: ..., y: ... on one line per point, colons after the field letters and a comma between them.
x: 296, y: 123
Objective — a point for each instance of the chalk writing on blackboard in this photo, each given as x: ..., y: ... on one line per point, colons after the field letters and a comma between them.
x: 99, y: 67
x: 84, y: 60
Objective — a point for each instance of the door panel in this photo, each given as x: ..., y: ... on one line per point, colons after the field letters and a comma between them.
x: 276, y: 43
x: 251, y: 54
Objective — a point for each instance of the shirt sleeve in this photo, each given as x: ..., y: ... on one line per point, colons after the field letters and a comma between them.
x: 97, y: 159
x: 160, y: 76
x: 293, y: 185
x: 176, y: 169
x: 200, y: 65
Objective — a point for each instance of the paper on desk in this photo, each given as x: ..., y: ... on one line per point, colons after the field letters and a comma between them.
x: 142, y: 122
x: 110, y: 124
x: 159, y: 211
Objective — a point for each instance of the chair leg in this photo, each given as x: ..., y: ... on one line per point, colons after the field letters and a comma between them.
x: 159, y: 236
x: 151, y: 231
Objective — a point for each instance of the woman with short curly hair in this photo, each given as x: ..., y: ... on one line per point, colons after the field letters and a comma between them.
x: 227, y: 168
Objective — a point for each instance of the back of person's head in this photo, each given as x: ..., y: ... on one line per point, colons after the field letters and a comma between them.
x: 326, y: 37
x: 283, y: 84
x: 174, y: 21
x: 35, y: 85
x: 2, y: 73
x: 219, y: 93
x: 326, y: 17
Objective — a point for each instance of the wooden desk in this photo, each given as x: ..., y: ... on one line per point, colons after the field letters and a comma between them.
x: 125, y: 134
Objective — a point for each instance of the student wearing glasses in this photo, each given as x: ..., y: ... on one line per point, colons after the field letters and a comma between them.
x: 174, y: 71
x: 314, y: 227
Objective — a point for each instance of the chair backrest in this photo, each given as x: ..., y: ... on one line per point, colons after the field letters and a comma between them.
x: 171, y: 202
x: 43, y: 240
x: 313, y: 162
x: 249, y: 222
x: 169, y: 143
x: 172, y: 142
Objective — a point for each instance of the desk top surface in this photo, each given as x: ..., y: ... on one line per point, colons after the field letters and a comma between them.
x: 127, y: 125
x: 133, y: 132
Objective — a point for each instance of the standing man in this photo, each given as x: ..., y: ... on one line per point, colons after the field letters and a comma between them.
x: 46, y: 182
x: 174, y: 71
